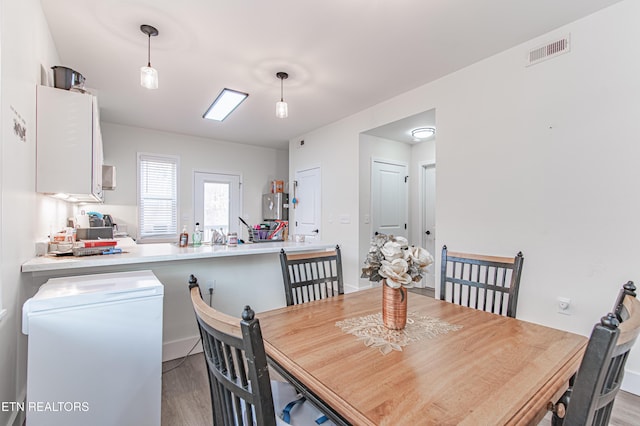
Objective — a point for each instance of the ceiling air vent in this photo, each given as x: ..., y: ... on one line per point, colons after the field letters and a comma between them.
x: 549, y: 50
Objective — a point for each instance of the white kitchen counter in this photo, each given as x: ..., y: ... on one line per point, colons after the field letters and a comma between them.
x: 164, y: 252
x: 249, y: 274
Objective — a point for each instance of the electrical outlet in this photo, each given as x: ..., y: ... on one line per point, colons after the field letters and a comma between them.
x: 564, y: 306
x: 211, y: 286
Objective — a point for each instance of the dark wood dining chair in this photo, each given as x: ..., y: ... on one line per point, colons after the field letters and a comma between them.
x: 590, y: 398
x: 311, y: 276
x: 242, y: 392
x: 628, y: 289
x: 236, y: 364
x: 489, y: 283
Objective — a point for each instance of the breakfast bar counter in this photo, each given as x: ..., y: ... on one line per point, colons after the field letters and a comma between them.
x: 164, y: 252
x: 230, y: 278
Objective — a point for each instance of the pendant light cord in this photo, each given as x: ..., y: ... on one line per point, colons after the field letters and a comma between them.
x: 281, y: 89
x: 149, y: 51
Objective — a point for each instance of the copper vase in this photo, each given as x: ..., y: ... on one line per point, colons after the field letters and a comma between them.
x: 394, y: 307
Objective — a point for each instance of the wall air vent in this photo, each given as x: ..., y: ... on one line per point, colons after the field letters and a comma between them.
x: 549, y: 50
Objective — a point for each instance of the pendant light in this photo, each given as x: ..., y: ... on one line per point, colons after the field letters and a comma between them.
x: 148, y: 74
x: 282, y: 110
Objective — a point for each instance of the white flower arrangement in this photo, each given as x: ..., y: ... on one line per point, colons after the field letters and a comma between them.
x: 391, y: 258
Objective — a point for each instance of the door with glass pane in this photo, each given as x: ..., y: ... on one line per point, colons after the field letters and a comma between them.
x: 216, y: 202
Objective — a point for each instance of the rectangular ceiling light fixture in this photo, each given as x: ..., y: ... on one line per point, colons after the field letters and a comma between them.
x: 225, y: 103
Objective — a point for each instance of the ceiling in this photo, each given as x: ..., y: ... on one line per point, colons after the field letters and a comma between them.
x: 342, y: 56
x: 401, y: 130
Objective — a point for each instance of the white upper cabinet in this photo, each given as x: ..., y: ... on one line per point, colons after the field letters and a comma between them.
x: 69, y: 145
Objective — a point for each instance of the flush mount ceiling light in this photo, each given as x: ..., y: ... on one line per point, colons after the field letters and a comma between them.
x: 225, y: 103
x: 423, y: 132
x: 282, y: 110
x: 149, y: 75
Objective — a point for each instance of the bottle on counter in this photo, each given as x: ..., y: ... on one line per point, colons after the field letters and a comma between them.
x: 232, y: 239
x: 197, y: 235
x: 184, y: 237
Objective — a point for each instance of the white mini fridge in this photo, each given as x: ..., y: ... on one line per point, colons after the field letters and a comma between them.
x: 95, y: 350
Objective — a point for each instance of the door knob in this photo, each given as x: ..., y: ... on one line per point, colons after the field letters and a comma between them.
x: 316, y: 231
x: 428, y: 232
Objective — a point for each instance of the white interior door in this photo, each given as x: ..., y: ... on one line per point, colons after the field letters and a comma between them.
x: 389, y: 198
x: 429, y: 218
x: 307, y: 207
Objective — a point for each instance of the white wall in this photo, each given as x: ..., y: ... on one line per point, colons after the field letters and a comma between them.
x: 540, y: 159
x: 339, y: 177
x: 257, y: 165
x: 27, y: 48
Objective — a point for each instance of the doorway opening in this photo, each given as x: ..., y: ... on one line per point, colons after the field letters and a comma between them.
x: 393, y: 143
x: 428, y: 217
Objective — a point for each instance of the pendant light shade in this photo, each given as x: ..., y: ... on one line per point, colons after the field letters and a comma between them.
x: 148, y: 74
x: 282, y: 109
x: 149, y: 77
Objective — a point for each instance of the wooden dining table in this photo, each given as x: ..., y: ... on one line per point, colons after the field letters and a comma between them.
x: 492, y: 370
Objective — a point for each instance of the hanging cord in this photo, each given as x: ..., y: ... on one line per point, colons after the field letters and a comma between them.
x: 281, y: 89
x: 192, y: 281
x: 184, y: 358
x: 149, y: 51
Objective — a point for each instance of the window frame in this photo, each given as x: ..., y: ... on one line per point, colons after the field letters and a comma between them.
x: 174, y: 159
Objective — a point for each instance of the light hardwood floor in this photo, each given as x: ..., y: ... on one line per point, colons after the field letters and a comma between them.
x: 186, y: 398
x: 185, y: 393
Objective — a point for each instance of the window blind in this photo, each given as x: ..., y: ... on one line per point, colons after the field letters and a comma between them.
x: 157, y: 196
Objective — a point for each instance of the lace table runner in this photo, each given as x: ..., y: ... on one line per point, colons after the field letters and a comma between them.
x: 372, y: 331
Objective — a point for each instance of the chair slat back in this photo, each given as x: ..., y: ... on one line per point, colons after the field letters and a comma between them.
x: 488, y: 283
x: 236, y: 364
x: 311, y: 276
x: 599, y: 377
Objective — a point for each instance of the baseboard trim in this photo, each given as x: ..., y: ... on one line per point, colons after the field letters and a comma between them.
x: 180, y: 348
x: 631, y: 382
x: 352, y: 288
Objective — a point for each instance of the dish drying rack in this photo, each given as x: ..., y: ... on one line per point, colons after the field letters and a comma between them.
x: 265, y: 235
x: 262, y: 233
